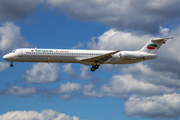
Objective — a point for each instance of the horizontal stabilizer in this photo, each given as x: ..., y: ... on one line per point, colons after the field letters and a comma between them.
x: 161, y: 39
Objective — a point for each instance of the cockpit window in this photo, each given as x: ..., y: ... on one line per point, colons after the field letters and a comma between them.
x: 13, y: 51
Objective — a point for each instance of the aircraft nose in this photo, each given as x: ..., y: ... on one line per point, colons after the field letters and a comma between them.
x: 6, y: 57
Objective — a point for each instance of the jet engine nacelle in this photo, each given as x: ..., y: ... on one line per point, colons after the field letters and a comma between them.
x: 136, y: 55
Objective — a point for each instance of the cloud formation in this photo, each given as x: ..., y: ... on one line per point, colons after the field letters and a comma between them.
x: 70, y: 71
x: 42, y: 73
x: 115, y: 40
x: 145, y: 73
x: 119, y: 14
x: 65, y: 91
x: 122, y: 14
x: 66, y: 88
x: 85, y: 73
x: 35, y: 115
x: 90, y: 90
x: 17, y: 10
x: 65, y: 96
x: 10, y: 38
x: 137, y: 79
x: 20, y: 91
x: 126, y: 84
x: 3, y: 66
x: 165, y: 106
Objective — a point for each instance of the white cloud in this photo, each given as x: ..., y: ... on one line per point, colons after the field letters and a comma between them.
x: 70, y: 71
x: 126, y: 84
x: 93, y: 93
x: 42, y: 73
x: 35, y: 115
x: 122, y: 14
x: 20, y: 91
x: 65, y: 91
x: 89, y: 87
x: 118, y: 40
x: 85, y: 72
x: 66, y: 88
x: 3, y: 66
x: 165, y: 106
x: 172, y: 45
x: 79, y: 45
x: 89, y: 90
x: 143, y: 72
x: 65, y: 97
x: 164, y: 31
x: 10, y: 38
x: 135, y: 79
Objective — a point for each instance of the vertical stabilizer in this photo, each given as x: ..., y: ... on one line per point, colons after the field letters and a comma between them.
x: 154, y: 44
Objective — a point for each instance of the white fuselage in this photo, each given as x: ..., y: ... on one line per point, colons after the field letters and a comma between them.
x: 75, y: 56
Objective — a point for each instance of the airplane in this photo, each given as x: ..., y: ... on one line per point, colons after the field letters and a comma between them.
x: 95, y: 58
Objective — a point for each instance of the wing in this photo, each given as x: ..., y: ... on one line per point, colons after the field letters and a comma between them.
x: 99, y: 59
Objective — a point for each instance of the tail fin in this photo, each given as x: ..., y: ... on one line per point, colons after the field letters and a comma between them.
x: 154, y: 44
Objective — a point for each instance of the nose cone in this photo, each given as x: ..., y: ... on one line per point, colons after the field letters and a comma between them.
x: 6, y: 57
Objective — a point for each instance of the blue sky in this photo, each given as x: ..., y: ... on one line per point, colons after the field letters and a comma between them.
x: 147, y: 90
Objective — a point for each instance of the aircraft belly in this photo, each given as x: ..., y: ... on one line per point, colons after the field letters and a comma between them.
x: 122, y: 61
x: 58, y: 59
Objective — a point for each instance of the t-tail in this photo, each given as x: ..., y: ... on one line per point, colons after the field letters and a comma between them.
x: 154, y: 44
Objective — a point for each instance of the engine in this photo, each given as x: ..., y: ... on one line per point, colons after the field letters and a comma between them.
x: 136, y: 55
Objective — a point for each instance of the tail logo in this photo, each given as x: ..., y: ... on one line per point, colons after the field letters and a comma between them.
x: 152, y: 46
